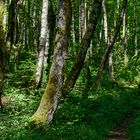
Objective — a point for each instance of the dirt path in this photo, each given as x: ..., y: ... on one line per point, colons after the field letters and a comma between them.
x: 120, y: 132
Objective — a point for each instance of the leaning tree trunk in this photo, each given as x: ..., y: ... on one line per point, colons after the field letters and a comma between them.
x: 85, y: 44
x: 110, y: 46
x: 50, y: 98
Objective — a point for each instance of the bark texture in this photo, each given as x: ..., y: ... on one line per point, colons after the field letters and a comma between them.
x: 2, y: 50
x: 42, y: 45
x: 110, y: 46
x: 50, y: 98
x: 85, y: 44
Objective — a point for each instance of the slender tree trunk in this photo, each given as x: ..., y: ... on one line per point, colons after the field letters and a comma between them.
x: 73, y: 33
x: 50, y: 98
x: 110, y: 61
x: 5, y: 15
x: 111, y: 68
x: 2, y: 50
x: 87, y: 59
x: 43, y: 34
x: 110, y: 46
x: 87, y: 64
x: 34, y: 21
x: 80, y: 19
x: 85, y: 44
x: 12, y: 21
x: 135, y: 30
x: 46, y: 53
x: 51, y: 26
x: 124, y: 43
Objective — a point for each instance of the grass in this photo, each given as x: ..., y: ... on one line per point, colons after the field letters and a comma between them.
x: 87, y: 114
x: 134, y: 128
x: 78, y: 117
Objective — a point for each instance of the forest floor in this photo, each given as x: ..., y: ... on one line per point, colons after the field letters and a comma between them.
x: 106, y: 114
x: 121, y: 131
x: 87, y: 114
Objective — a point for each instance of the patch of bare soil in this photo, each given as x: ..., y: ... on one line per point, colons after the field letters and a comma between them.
x: 120, y: 132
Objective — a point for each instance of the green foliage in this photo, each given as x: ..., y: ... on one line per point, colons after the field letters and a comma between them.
x: 85, y: 114
x: 134, y: 130
x: 1, y: 12
x: 80, y: 117
x: 131, y: 72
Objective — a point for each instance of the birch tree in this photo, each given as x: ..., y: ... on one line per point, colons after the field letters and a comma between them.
x: 124, y: 43
x: 42, y: 48
x: 53, y: 91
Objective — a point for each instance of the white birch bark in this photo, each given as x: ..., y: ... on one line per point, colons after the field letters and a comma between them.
x: 73, y: 32
x: 125, y: 40
x: 43, y: 33
x: 81, y: 19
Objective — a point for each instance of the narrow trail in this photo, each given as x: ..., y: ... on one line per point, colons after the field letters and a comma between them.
x: 120, y: 132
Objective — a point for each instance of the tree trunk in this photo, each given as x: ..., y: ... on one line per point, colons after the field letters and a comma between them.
x: 73, y: 33
x: 87, y: 66
x: 43, y: 34
x: 51, y: 26
x: 110, y: 61
x: 135, y: 30
x: 2, y: 50
x: 5, y: 15
x: 85, y: 44
x: 110, y: 46
x: 111, y: 68
x: 50, y: 98
x: 13, y: 21
x: 124, y: 43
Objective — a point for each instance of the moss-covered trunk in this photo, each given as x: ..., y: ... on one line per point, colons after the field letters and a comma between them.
x: 50, y: 98
x: 85, y: 44
x: 2, y: 49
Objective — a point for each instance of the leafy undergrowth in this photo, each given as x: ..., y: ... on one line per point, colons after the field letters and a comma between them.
x: 85, y: 114
x: 134, y: 128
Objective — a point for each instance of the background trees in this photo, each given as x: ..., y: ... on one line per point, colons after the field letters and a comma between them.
x: 79, y: 48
